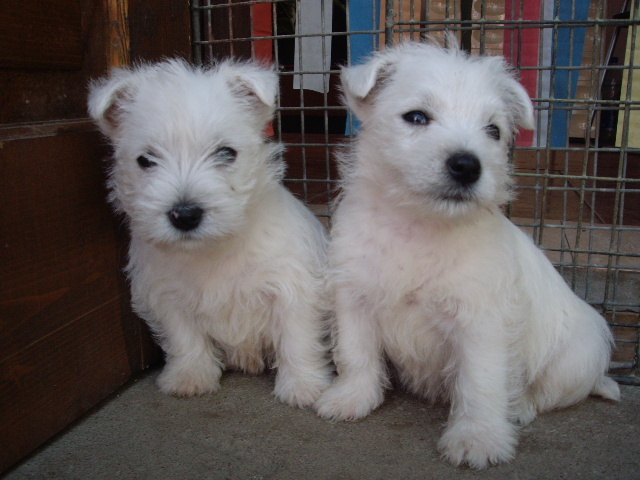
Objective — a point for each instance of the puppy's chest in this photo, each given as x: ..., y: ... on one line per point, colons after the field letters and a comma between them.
x: 416, y: 269
x: 210, y: 289
x: 408, y: 262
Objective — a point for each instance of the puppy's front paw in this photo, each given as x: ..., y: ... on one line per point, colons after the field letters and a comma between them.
x: 349, y: 399
x: 303, y: 392
x: 478, y: 444
x: 187, y: 382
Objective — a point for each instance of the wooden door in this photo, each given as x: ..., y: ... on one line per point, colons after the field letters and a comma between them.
x: 68, y: 337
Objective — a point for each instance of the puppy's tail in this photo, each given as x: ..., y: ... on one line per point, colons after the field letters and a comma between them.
x: 607, y: 388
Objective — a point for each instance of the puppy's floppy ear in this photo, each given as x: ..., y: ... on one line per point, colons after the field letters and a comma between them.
x: 360, y: 81
x: 105, y: 99
x: 519, y: 104
x: 255, y: 83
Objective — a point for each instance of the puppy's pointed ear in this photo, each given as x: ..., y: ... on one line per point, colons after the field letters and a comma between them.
x: 519, y: 104
x: 106, y: 97
x: 254, y: 83
x: 359, y: 83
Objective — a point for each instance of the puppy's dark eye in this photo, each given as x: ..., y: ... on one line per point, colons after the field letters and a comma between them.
x: 226, y: 154
x: 416, y: 117
x: 493, y: 131
x: 145, y: 162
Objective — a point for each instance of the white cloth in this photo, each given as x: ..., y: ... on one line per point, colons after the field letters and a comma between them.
x: 313, y: 54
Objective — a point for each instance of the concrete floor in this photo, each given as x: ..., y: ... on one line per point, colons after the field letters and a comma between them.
x: 244, y: 433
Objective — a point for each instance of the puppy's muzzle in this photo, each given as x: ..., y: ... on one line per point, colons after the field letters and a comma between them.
x: 185, y: 217
x: 464, y: 168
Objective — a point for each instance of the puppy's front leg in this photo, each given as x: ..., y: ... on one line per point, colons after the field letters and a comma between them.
x: 193, y: 366
x: 478, y: 431
x: 302, y: 365
x: 362, y: 377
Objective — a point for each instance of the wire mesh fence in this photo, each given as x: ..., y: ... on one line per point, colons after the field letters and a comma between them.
x: 578, y: 173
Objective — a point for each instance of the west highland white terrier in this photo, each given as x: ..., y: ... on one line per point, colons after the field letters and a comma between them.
x: 226, y: 266
x: 426, y: 270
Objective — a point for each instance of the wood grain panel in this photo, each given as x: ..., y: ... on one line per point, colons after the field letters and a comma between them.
x: 43, y: 94
x: 68, y: 337
x: 159, y: 29
x: 57, y: 378
x: 67, y: 334
x: 41, y: 34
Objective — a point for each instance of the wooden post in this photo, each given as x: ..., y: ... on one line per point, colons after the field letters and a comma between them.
x: 118, y: 47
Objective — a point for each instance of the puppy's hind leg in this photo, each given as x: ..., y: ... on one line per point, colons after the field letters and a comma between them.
x: 362, y: 376
x: 607, y: 388
x: 193, y: 366
x: 578, y: 370
x: 248, y: 358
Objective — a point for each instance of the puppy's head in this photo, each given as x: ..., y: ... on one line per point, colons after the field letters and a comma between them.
x: 190, y: 155
x: 436, y: 124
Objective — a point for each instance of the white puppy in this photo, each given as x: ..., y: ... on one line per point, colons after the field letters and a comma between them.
x: 427, y: 272
x: 226, y: 266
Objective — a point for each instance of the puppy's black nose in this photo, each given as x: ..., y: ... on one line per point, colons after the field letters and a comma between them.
x: 185, y: 217
x: 464, y: 168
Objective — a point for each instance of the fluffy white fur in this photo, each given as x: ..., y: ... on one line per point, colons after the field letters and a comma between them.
x: 427, y: 272
x: 241, y: 280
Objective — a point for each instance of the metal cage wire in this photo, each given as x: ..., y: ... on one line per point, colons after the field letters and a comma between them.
x: 577, y: 175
